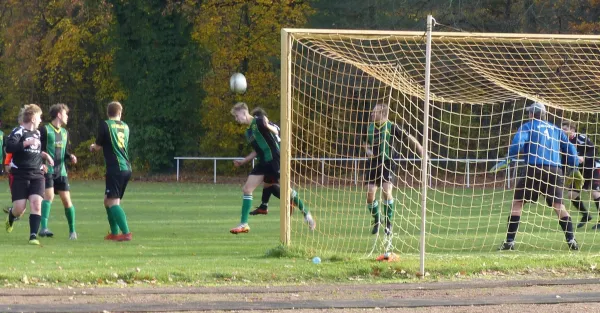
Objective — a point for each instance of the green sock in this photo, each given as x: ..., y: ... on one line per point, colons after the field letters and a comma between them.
x: 389, y: 209
x: 119, y: 216
x: 298, y: 202
x: 246, y: 206
x: 46, y: 206
x: 70, y: 214
x: 374, y: 209
x: 114, y: 228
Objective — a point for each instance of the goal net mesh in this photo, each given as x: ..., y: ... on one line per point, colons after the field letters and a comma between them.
x: 479, y: 87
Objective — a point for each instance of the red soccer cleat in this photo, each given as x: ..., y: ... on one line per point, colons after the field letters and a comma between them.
x: 124, y: 237
x: 110, y: 237
x: 242, y: 228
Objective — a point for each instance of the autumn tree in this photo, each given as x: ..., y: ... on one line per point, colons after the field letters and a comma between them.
x: 242, y: 36
x: 56, y: 51
x: 160, y: 67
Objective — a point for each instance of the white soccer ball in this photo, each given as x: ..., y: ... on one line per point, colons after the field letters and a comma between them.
x: 237, y: 83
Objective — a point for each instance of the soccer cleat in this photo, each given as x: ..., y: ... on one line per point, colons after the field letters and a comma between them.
x: 596, y: 227
x: 9, y: 228
x: 242, y: 228
x: 34, y: 242
x: 110, y: 237
x: 584, y: 219
x: 260, y: 211
x: 73, y: 236
x: 310, y: 221
x: 7, y: 210
x: 509, y: 245
x: 573, y: 245
x: 388, y: 227
x: 46, y: 233
x: 124, y: 237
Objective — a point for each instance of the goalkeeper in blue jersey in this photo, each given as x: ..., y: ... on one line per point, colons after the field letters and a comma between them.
x: 541, y: 144
x: 588, y: 166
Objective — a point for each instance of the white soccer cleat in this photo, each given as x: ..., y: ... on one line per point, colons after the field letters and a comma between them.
x: 310, y: 221
x: 73, y: 236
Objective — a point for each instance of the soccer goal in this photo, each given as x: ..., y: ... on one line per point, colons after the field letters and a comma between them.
x: 462, y: 96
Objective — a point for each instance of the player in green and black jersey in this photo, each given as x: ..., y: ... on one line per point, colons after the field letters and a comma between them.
x: 55, y: 140
x: 113, y: 139
x: 262, y: 138
x: 382, y: 136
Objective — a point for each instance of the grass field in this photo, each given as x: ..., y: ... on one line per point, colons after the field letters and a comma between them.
x: 181, y: 236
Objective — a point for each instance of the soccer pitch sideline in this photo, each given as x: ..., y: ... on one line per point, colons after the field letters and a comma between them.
x: 181, y: 236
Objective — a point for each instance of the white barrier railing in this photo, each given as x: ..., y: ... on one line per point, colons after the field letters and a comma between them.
x: 355, y: 163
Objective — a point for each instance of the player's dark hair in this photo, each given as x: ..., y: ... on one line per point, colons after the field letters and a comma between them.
x: 57, y: 108
x: 114, y: 108
x: 258, y: 112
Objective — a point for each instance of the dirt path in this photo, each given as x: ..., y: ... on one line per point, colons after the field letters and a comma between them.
x: 474, y: 296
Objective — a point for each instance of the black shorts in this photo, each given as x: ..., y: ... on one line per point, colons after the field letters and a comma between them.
x: 23, y: 187
x: 59, y: 183
x: 541, y: 179
x: 378, y: 172
x: 116, y: 183
x: 591, y: 179
x: 269, y: 169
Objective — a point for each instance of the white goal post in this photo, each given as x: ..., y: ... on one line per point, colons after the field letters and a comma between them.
x: 462, y: 96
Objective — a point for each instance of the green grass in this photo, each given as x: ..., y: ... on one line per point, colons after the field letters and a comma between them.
x: 181, y: 236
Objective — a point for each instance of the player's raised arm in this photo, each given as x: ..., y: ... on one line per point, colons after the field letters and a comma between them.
x: 569, y: 150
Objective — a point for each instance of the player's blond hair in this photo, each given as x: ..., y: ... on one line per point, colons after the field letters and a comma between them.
x: 240, y: 106
x: 571, y: 124
x: 29, y: 110
x: 384, y: 108
x: 114, y: 108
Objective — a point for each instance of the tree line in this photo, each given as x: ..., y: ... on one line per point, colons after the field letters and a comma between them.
x: 169, y: 61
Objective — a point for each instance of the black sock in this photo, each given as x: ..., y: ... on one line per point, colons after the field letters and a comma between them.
x: 275, y: 191
x: 579, y: 205
x: 11, y: 218
x: 513, y: 226
x: 34, y: 225
x: 567, y: 227
x: 266, y: 194
x: 597, y: 200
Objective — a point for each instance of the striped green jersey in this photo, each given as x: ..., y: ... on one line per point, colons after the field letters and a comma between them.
x: 54, y: 142
x: 263, y: 141
x: 113, y: 136
x: 380, y: 138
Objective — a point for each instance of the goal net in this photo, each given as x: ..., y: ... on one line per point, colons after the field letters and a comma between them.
x: 479, y: 86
